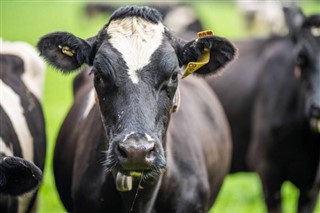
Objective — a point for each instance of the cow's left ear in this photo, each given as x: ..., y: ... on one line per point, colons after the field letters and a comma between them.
x: 294, y: 19
x: 212, y: 52
x: 65, y: 51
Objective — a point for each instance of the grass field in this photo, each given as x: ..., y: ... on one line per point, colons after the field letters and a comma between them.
x: 29, y: 20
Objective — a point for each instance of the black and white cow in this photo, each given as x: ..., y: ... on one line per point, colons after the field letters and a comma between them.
x: 122, y: 154
x: 274, y: 109
x: 22, y: 132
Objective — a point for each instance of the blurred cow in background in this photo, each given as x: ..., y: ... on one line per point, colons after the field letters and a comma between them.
x: 22, y: 132
x: 286, y: 136
x: 274, y: 102
x: 264, y: 17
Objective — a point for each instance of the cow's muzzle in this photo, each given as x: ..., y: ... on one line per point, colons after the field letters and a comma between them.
x: 135, y: 154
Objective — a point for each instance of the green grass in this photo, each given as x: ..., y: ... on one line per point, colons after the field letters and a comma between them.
x: 29, y: 20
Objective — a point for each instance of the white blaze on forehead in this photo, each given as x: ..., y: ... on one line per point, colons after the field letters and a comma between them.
x: 90, y: 102
x: 136, y: 39
x: 11, y: 104
x: 34, y: 66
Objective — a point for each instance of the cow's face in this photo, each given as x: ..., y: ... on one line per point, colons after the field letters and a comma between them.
x: 135, y: 79
x: 136, y: 63
x: 308, y: 43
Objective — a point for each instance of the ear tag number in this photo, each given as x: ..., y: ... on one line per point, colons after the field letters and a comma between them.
x: 202, y: 60
x: 66, y: 50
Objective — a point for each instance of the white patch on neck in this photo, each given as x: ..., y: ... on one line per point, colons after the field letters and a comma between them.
x: 34, y: 66
x: 11, y: 103
x: 89, y: 104
x: 149, y: 138
x: 136, y: 39
x: 7, y: 151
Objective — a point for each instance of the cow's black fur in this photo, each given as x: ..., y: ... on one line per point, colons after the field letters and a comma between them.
x: 194, y: 148
x: 18, y: 176
x: 238, y: 99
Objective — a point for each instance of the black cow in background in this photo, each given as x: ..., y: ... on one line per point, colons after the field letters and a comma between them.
x: 286, y: 135
x: 273, y: 105
x: 22, y: 132
x: 122, y: 154
x: 236, y: 90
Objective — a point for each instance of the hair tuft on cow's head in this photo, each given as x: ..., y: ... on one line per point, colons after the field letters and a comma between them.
x: 145, y: 12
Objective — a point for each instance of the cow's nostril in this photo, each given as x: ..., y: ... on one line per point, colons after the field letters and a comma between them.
x: 151, y: 151
x: 122, y: 151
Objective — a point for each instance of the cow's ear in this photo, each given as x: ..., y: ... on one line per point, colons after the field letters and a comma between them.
x: 294, y: 19
x: 207, y: 54
x: 18, y: 176
x: 65, y: 51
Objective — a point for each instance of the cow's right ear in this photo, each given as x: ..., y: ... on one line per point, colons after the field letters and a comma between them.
x: 65, y: 51
x: 294, y: 19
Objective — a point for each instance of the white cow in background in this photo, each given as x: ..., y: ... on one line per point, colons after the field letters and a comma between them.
x: 264, y: 17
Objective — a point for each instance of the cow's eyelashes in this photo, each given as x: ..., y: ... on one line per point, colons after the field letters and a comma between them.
x: 104, y: 81
x: 98, y: 78
x: 174, y: 77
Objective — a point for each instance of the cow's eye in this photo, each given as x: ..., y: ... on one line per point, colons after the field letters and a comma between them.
x: 302, y: 60
x: 174, y: 77
x: 98, y: 78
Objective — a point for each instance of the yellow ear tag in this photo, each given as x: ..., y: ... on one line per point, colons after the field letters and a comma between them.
x: 66, y: 50
x: 202, y: 60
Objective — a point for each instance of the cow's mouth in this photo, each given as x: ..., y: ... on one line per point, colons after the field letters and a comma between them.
x: 123, y: 182
x: 315, y: 124
x: 134, y: 173
x: 125, y: 178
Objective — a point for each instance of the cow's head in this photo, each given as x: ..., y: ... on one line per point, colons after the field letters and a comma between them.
x: 136, y: 62
x: 305, y: 32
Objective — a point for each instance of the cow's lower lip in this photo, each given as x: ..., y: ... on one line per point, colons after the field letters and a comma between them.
x: 315, y: 124
x: 134, y: 173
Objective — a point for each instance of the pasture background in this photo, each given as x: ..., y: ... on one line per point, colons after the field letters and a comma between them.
x: 29, y: 20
